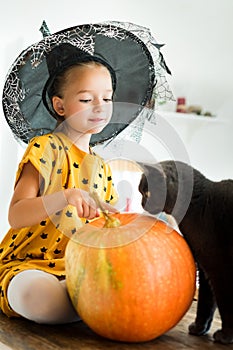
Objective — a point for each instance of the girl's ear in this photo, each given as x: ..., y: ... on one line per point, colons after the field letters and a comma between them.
x: 58, y: 105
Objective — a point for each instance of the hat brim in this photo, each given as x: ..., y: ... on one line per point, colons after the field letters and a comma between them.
x: 126, y: 53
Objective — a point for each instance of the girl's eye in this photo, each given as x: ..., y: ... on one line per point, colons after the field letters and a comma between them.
x: 107, y: 100
x: 85, y: 101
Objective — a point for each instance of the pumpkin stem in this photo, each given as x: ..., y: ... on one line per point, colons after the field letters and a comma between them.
x: 110, y: 221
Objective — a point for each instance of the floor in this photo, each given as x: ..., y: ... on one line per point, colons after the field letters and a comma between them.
x: 19, y: 334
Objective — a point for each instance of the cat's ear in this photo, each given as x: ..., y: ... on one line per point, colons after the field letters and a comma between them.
x: 147, y: 169
x: 142, y: 167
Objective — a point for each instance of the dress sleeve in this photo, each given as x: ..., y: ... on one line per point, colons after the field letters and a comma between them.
x: 41, y: 153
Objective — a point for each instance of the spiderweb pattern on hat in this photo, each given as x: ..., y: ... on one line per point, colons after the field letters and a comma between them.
x: 161, y: 91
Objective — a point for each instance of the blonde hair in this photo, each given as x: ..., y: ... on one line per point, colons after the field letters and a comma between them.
x: 61, y: 79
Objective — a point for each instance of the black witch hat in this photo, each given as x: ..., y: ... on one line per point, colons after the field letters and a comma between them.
x: 130, y: 53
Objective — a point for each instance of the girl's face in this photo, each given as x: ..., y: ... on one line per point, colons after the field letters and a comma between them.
x: 86, y: 102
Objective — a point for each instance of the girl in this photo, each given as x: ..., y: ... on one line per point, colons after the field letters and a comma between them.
x: 54, y: 178
x: 84, y: 67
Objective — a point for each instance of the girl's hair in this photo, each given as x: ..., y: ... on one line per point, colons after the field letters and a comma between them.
x: 60, y: 81
x: 56, y: 89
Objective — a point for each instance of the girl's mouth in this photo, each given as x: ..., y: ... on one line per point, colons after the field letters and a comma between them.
x: 97, y: 120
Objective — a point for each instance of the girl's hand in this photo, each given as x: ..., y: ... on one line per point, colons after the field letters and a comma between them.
x: 27, y: 208
x: 85, y: 204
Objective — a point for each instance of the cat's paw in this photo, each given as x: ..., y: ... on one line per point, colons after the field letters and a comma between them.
x: 224, y: 337
x: 198, y: 329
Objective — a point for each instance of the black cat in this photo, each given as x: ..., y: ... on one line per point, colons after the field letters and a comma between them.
x: 202, y: 209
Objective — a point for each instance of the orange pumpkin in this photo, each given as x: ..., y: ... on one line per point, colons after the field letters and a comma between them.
x: 130, y: 283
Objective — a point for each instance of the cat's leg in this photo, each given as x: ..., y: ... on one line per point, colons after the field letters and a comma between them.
x: 205, y: 307
x: 223, y: 287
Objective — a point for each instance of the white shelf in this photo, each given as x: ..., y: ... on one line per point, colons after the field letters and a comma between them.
x: 190, y: 117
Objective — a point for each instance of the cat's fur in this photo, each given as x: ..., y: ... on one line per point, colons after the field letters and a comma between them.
x: 203, y: 210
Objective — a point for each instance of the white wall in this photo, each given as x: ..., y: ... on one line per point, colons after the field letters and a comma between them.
x: 198, y: 50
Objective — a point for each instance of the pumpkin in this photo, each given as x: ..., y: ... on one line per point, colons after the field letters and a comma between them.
x: 130, y: 283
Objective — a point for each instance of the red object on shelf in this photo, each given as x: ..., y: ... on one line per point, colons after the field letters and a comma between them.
x: 181, y: 105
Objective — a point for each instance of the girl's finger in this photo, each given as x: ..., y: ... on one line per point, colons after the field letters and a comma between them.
x: 108, y: 207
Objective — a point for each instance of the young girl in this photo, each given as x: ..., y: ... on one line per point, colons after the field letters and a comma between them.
x: 56, y: 172
x: 83, y: 68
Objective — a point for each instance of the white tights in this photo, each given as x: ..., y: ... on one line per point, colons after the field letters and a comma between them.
x: 41, y: 297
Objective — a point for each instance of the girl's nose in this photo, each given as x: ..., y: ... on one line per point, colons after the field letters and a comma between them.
x: 97, y: 107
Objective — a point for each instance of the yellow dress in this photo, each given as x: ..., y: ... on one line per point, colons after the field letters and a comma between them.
x: 61, y: 165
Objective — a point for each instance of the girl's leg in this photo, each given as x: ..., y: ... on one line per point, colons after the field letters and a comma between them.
x: 41, y: 297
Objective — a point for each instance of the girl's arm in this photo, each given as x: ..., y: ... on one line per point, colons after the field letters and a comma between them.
x: 28, y: 208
